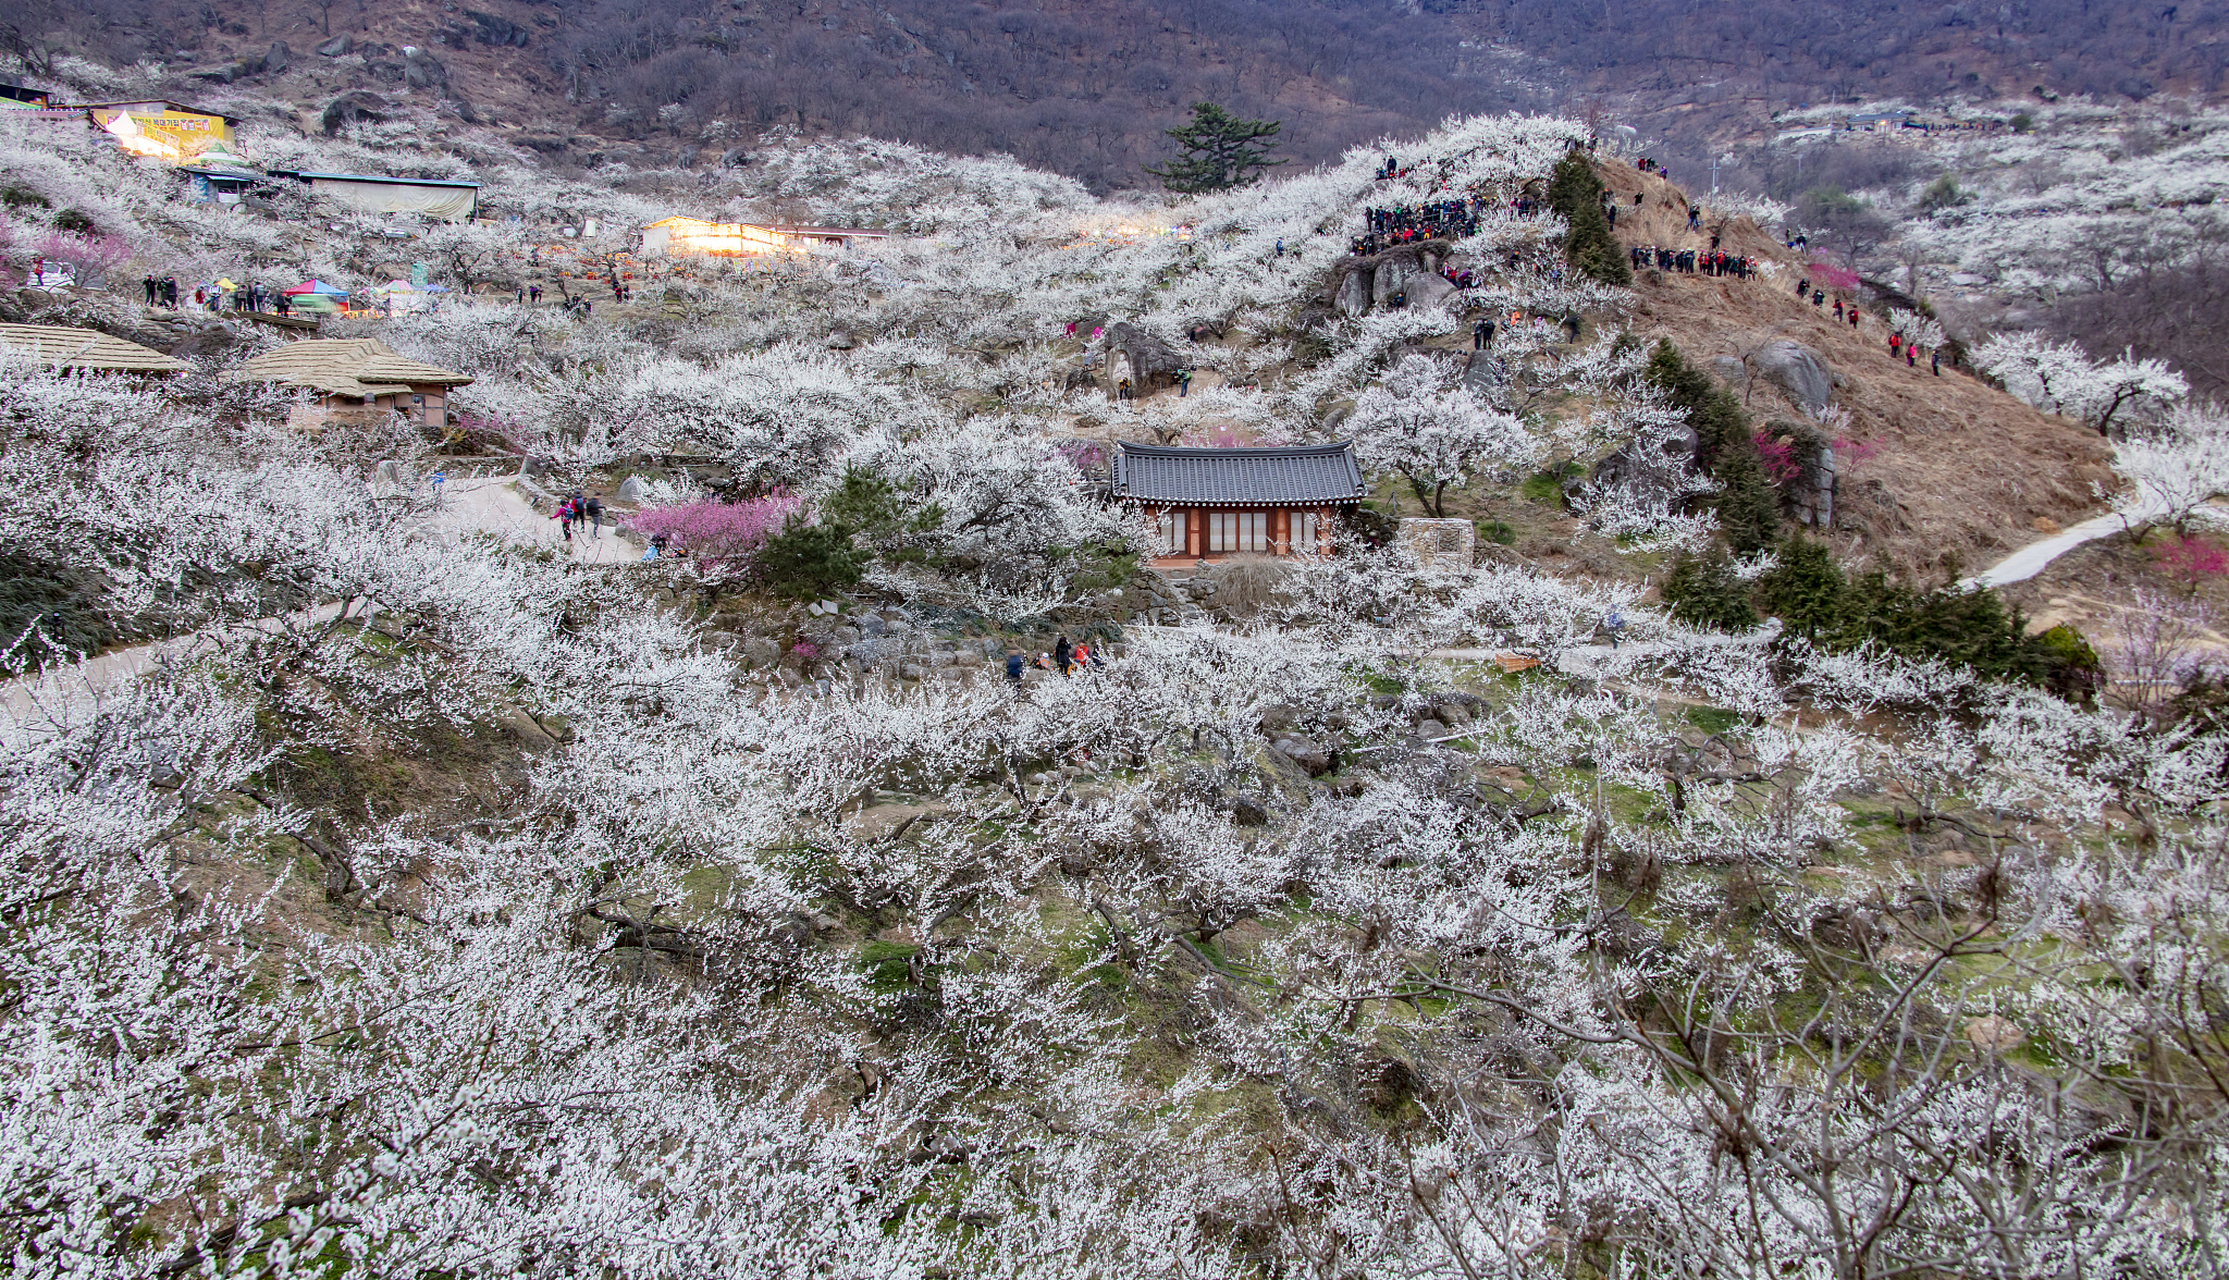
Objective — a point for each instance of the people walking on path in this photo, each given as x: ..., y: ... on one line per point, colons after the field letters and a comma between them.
x: 1063, y: 654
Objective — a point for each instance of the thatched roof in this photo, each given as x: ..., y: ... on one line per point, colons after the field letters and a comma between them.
x: 63, y: 347
x: 359, y: 367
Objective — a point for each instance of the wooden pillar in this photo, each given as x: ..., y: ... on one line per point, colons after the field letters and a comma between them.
x: 1195, y: 533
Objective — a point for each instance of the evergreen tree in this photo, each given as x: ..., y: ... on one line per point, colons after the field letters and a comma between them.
x: 805, y: 561
x: 1590, y: 248
x: 1720, y: 425
x: 1974, y: 629
x: 867, y: 504
x: 1805, y: 588
x: 1748, y: 505
x: 1220, y: 151
x: 1705, y: 592
x: 1575, y: 193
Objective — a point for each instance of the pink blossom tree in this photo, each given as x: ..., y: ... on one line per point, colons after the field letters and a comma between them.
x: 719, y: 534
x: 90, y: 257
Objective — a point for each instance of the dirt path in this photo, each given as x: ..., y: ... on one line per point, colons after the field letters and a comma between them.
x: 496, y: 505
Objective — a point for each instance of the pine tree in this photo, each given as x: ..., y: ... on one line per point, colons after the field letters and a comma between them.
x: 808, y: 560
x: 1805, y: 588
x: 1575, y: 193
x: 1220, y: 151
x: 1705, y: 592
x: 1590, y: 248
x: 1720, y: 425
x: 1748, y: 505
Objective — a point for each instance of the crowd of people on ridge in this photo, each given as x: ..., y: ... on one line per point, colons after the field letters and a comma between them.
x: 1709, y: 262
x: 1405, y: 224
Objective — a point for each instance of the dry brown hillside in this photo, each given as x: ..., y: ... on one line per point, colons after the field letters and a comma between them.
x: 1960, y: 472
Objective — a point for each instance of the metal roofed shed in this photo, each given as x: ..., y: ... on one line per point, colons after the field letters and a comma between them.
x: 56, y: 346
x: 442, y: 198
x: 1202, y: 504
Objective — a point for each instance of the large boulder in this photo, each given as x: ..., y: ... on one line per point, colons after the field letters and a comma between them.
x: 421, y: 70
x: 1429, y: 289
x: 337, y: 47
x: 1797, y: 370
x: 353, y: 106
x: 278, y: 58
x: 1393, y: 275
x: 1149, y: 356
x: 1353, y: 295
x: 1484, y: 373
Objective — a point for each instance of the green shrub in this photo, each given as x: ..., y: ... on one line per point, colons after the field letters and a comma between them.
x: 1805, y: 588
x: 22, y: 198
x: 1965, y: 628
x: 2072, y: 668
x: 1748, y: 505
x: 1497, y: 532
x: 76, y: 221
x: 1575, y: 193
x: 1719, y: 423
x: 808, y: 561
x: 1704, y: 591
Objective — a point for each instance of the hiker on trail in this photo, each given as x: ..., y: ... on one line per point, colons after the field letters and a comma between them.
x: 658, y: 545
x: 1014, y: 666
x: 1838, y: 308
x: 439, y: 478
x: 1571, y: 325
x: 564, y: 518
x: 1063, y: 655
x: 1280, y: 246
x: 1911, y: 357
x: 1124, y: 391
x: 533, y: 294
x: 1818, y: 299
x: 1895, y: 344
x: 1081, y: 657
x: 150, y: 283
x: 1853, y: 317
x: 1613, y: 624
x: 1482, y: 332
x: 596, y: 515
x: 1935, y: 359
x: 1183, y: 382
x: 1803, y: 286
x: 1694, y: 218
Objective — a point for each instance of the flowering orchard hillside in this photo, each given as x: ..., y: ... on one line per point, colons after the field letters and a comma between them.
x: 1672, y: 892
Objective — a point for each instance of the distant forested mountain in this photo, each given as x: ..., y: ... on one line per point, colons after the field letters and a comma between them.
x: 1086, y: 88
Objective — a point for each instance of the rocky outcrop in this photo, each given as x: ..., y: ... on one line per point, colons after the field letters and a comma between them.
x: 1790, y: 367
x: 351, y: 107
x: 421, y: 70
x: 1149, y: 357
